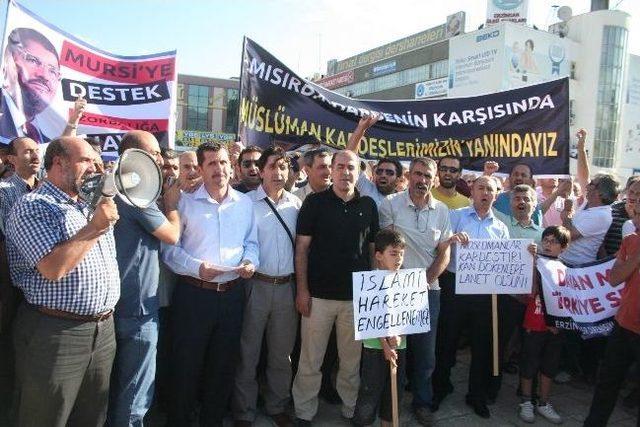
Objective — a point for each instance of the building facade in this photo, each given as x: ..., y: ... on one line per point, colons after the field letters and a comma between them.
x: 207, y: 110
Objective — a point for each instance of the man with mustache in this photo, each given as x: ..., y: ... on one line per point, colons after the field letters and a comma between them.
x: 218, y: 247
x: 63, y: 258
x: 449, y: 171
x: 24, y: 155
x: 32, y: 76
x: 317, y: 165
x: 424, y: 223
x: 474, y: 222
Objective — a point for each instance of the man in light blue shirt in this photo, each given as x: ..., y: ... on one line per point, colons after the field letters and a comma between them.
x: 270, y: 310
x: 218, y: 246
x: 473, y: 222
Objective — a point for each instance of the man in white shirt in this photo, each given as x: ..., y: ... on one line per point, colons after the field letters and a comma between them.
x: 589, y: 225
x: 270, y: 309
x: 591, y: 221
x: 218, y: 246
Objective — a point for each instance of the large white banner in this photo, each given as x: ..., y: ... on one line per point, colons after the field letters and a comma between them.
x: 45, y: 70
x: 388, y: 303
x: 580, y: 298
x: 489, y: 266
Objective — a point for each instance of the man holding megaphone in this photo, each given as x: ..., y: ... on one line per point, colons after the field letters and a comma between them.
x: 63, y: 258
x: 138, y: 234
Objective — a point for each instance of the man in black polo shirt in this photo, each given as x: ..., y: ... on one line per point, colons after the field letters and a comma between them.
x: 335, y: 235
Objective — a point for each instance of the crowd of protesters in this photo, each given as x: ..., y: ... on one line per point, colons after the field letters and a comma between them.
x: 235, y: 287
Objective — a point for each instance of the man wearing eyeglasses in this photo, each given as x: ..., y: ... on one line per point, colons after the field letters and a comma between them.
x: 32, y: 76
x: 387, y: 172
x: 424, y: 223
x: 247, y: 169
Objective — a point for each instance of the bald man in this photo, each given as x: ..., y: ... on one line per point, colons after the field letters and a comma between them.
x: 335, y: 236
x: 138, y: 235
x: 63, y: 258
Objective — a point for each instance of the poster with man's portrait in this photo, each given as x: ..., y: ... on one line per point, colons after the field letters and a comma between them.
x: 44, y: 70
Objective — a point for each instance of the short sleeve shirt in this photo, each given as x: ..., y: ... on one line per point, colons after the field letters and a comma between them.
x: 39, y: 222
x: 592, y: 223
x: 138, y: 252
x: 628, y: 315
x: 423, y: 229
x: 340, y: 236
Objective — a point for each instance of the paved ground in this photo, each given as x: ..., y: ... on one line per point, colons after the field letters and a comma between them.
x: 571, y: 400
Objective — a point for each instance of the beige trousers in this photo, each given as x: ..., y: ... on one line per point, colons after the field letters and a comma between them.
x: 314, y: 334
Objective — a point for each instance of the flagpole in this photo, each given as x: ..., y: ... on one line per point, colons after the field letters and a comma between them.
x: 244, y: 45
x: 4, y: 30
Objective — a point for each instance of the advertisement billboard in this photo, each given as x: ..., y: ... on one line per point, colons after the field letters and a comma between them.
x: 474, y: 62
x: 506, y: 56
x: 630, y: 136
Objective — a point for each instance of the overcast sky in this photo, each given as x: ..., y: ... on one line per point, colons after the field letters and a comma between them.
x: 302, y: 34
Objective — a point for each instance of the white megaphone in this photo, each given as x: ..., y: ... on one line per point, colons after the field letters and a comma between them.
x: 136, y: 178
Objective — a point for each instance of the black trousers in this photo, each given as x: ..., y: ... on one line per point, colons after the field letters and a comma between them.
x: 206, y: 328
x: 622, y: 350
x: 473, y: 311
x: 440, y: 377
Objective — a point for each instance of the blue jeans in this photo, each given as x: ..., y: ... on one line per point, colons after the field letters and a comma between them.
x: 134, y: 370
x: 423, y: 356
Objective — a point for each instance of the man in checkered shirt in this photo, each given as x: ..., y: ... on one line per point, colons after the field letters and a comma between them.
x: 64, y: 261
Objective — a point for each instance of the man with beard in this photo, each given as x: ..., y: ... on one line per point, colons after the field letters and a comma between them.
x: 424, y: 223
x: 32, y: 75
x: 247, y: 169
x: 473, y: 222
x: 387, y: 171
x: 63, y: 258
x: 449, y: 171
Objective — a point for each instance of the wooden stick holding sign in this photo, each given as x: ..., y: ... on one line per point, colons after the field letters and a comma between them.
x: 394, y: 394
x: 494, y: 321
x: 494, y: 267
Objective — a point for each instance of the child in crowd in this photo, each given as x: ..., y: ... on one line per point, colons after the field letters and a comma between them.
x: 542, y: 344
x: 375, y: 380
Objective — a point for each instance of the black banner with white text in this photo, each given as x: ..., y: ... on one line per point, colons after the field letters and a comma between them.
x: 529, y: 124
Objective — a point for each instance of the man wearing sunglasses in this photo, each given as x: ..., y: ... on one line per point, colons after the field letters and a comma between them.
x: 387, y: 171
x: 449, y: 170
x: 247, y: 169
x: 32, y: 75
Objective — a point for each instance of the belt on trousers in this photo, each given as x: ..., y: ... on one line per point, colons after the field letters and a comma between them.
x: 59, y: 314
x: 274, y: 280
x: 212, y: 286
